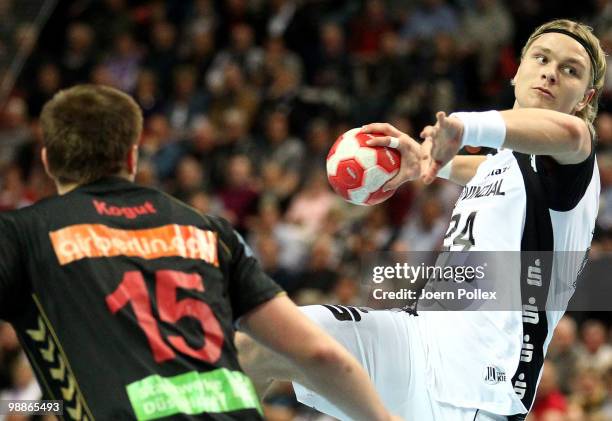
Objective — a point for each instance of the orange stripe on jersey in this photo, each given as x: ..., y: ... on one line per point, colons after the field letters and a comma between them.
x: 95, y: 240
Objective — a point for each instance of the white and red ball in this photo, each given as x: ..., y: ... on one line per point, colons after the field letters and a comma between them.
x: 357, y: 171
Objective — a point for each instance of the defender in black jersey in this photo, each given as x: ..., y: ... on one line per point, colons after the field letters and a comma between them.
x: 126, y: 300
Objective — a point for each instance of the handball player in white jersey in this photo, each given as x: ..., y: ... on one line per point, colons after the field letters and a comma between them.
x: 485, y: 365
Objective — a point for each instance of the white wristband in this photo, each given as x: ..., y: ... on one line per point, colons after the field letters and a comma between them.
x: 445, y: 171
x: 486, y: 128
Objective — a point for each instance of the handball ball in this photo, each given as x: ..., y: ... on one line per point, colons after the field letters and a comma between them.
x: 357, y: 171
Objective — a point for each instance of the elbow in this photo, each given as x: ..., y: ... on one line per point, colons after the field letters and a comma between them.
x: 323, y: 355
x: 579, y: 137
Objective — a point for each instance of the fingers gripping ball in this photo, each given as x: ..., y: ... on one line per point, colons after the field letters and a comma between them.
x: 357, y: 171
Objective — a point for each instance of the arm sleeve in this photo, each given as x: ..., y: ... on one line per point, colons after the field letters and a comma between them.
x: 565, y: 185
x: 11, y: 267
x: 249, y: 285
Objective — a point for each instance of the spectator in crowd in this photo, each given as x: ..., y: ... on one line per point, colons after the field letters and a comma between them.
x: 332, y: 71
x: 595, y: 353
x: 603, y: 127
x: 233, y: 92
x: 550, y: 402
x: 242, y: 51
x: 367, y: 28
x: 276, y: 54
x: 378, y: 82
x: 430, y: 18
x: 123, y: 63
x: 319, y: 139
x: 292, y: 243
x: 201, y: 200
x: 160, y: 145
x: 78, y: 59
x: 48, y: 81
x: 424, y: 231
x: 563, y: 352
x: 606, y: 410
x: 603, y: 232
x: 199, y: 51
x: 10, y: 350
x: 14, y: 193
x: 486, y: 30
x: 346, y: 290
x: 185, y: 103
x: 312, y: 204
x: 8, y: 23
x: 319, y: 272
x: 14, y: 131
x: 189, y: 177
x: 589, y: 392
x: 240, y: 193
x: 282, y: 93
x: 202, y: 19
x: 268, y: 254
x: 162, y: 55
x: 23, y: 383
x: 147, y: 93
x: 279, y: 145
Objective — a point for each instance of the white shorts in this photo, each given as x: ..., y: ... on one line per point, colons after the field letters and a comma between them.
x: 388, y: 345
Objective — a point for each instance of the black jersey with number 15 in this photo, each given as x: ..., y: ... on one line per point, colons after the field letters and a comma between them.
x: 125, y: 301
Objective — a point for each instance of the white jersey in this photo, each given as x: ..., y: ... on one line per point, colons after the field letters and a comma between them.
x: 515, y: 202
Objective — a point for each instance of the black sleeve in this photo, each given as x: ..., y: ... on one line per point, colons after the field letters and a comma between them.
x: 565, y: 185
x: 249, y: 285
x: 11, y: 268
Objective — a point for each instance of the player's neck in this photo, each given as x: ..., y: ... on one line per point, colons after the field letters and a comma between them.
x: 63, y: 188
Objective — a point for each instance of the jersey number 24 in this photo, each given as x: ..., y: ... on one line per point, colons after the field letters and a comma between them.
x: 466, y: 236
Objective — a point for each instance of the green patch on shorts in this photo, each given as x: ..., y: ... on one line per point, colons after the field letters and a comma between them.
x: 192, y: 393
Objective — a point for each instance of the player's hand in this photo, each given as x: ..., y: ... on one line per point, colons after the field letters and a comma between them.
x: 409, y: 149
x: 445, y: 137
x: 396, y: 418
x: 425, y: 155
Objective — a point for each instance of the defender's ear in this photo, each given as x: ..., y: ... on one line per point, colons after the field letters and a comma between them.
x: 45, y: 161
x: 132, y: 161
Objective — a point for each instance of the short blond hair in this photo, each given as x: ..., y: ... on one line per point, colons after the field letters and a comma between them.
x: 598, y: 60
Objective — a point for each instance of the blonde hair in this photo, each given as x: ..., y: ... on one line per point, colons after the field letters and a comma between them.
x: 598, y: 61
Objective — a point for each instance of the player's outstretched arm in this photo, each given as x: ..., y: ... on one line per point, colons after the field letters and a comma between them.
x: 460, y: 170
x: 317, y: 360
x: 564, y: 137
x: 416, y: 159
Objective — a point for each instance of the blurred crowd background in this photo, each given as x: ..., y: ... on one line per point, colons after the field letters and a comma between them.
x: 242, y: 100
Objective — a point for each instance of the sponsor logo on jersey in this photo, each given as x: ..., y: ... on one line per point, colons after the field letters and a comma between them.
x: 494, y: 375
x: 82, y: 241
x: 534, y: 274
x: 129, y: 212
x: 474, y: 192
x: 497, y: 171
x: 527, y: 349
x: 520, y: 386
